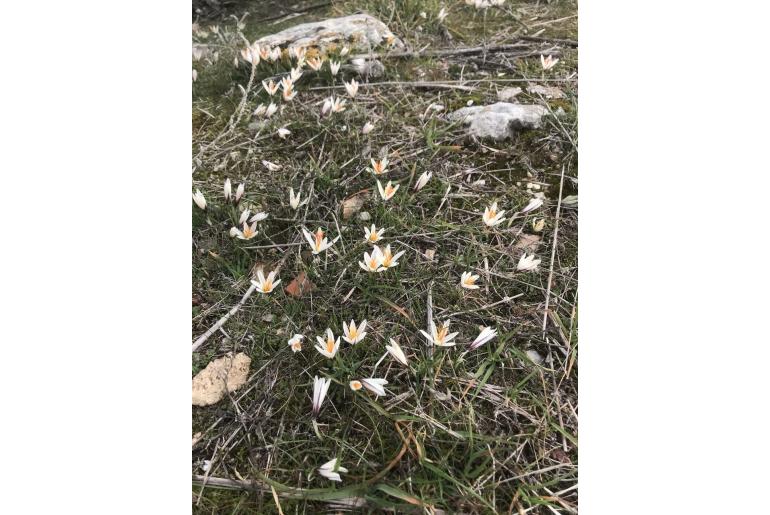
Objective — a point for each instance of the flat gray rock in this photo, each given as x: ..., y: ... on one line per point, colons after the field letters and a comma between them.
x: 360, y: 30
x: 500, y: 120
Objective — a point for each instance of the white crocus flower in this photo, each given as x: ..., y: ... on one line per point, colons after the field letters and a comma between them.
x: 275, y: 54
x: 379, y: 167
x: 388, y: 259
x: 533, y: 204
x: 228, y: 189
x: 264, y: 52
x: 318, y: 242
x: 338, y: 105
x: 315, y: 63
x: 289, y: 94
x: 244, y: 216
x: 197, y: 53
x: 389, y: 190
x: 394, y: 349
x: 283, y: 132
x: 440, y: 337
x: 484, y: 336
x: 351, y: 87
x: 373, y: 235
x: 296, y: 52
x: 345, y: 51
x: 328, y: 347
x: 527, y: 263
x: 492, y: 216
x: 271, y: 87
x: 548, y: 62
x: 334, y: 66
x: 294, y: 201
x: 331, y: 471
x: 353, y: 334
x: 194, y: 75
x: 258, y: 217
x: 260, y: 110
x: 372, y: 262
x: 423, y: 180
x: 250, y: 55
x: 295, y: 342
x: 327, y: 107
x: 239, y: 192
x: 295, y: 74
x: 265, y: 285
x: 248, y: 232
x: 288, y: 89
x: 368, y: 127
x: 199, y: 199
x: 271, y: 166
x: 468, y: 281
x: 271, y: 109
x: 320, y: 387
x: 375, y: 385
x: 442, y: 14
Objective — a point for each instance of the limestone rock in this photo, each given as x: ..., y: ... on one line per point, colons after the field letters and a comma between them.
x: 360, y: 30
x: 508, y: 94
x: 546, y: 91
x: 500, y: 120
x: 222, y: 375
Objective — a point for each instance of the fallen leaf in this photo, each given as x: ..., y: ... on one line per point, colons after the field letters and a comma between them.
x: 225, y: 374
x: 353, y: 204
x: 299, y: 286
x: 430, y: 254
x: 560, y: 456
x: 528, y: 242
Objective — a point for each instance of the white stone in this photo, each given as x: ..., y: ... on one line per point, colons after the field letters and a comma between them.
x: 359, y: 30
x: 508, y: 94
x: 500, y: 120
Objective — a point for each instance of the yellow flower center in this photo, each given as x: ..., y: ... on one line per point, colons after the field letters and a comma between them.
x: 329, y: 345
x: 319, y: 236
x: 247, y: 232
x: 388, y: 190
x: 355, y: 385
x: 441, y: 334
x: 469, y: 281
x: 373, y: 237
x: 372, y: 263
x: 267, y: 286
x: 352, y: 333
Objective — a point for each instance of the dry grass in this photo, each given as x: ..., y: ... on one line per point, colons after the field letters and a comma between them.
x: 489, y: 431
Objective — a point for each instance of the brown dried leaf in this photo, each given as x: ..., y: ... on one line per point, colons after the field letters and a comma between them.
x: 222, y: 375
x: 528, y: 242
x: 299, y: 285
x: 353, y: 204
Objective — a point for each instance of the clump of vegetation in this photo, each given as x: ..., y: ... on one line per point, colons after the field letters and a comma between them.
x: 419, y: 352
